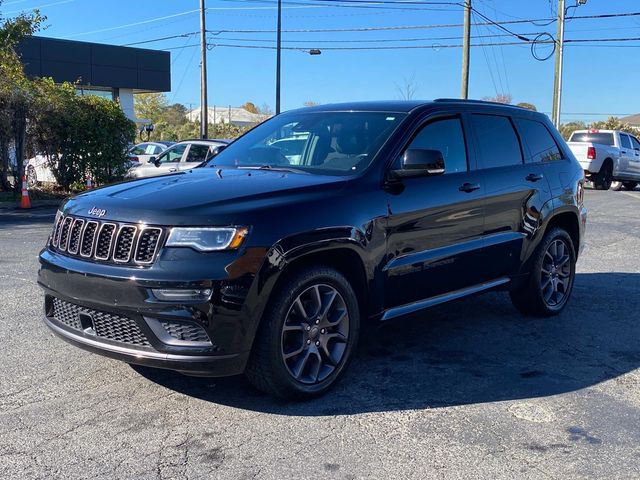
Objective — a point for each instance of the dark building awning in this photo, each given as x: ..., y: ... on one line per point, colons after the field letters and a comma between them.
x: 96, y: 65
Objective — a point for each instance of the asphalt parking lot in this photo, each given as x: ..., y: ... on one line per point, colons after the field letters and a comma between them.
x: 468, y: 390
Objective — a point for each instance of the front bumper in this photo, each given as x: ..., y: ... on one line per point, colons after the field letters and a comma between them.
x: 198, y: 365
x: 111, y: 310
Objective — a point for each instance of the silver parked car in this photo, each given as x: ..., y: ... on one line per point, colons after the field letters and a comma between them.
x: 181, y: 156
x: 142, y: 152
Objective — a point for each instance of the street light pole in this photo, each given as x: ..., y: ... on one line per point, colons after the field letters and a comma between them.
x: 204, y: 110
x: 464, y: 93
x: 278, y: 56
x: 557, y: 80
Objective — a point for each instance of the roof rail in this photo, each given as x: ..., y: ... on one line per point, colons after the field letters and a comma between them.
x: 481, y: 102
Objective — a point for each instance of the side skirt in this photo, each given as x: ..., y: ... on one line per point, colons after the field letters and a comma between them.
x: 446, y: 297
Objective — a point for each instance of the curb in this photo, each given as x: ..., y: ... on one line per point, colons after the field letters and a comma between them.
x: 36, y: 204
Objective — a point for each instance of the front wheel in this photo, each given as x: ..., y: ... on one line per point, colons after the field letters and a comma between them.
x: 616, y: 186
x: 549, y: 286
x: 307, y: 335
x: 629, y: 185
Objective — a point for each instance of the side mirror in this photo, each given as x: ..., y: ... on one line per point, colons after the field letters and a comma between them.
x: 418, y: 162
x: 153, y: 160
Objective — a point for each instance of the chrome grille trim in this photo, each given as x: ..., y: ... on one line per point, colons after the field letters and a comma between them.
x: 111, y: 237
x: 151, y: 255
x: 120, y: 239
x: 92, y: 226
x: 75, y: 236
x: 106, y: 241
x: 63, y: 241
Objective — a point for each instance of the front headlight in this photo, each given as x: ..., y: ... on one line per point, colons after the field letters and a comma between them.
x: 207, y: 239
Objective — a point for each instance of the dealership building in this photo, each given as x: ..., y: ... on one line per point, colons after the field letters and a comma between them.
x: 106, y: 70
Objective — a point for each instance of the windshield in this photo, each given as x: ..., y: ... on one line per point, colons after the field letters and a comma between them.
x: 328, y: 143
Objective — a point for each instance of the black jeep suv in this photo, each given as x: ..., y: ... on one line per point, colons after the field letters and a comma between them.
x: 270, y: 258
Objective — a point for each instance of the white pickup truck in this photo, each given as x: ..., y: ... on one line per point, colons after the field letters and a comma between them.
x: 607, y: 157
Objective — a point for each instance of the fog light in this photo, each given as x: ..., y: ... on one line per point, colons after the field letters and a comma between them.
x: 181, y: 294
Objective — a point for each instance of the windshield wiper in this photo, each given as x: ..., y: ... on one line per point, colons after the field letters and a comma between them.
x: 275, y: 168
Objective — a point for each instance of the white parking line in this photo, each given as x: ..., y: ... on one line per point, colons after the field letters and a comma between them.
x: 632, y: 195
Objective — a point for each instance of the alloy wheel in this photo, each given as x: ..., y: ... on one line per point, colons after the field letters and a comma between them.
x: 555, y: 278
x: 315, y: 334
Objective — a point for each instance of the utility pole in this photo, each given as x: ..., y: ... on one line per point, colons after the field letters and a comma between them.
x: 466, y: 47
x: 557, y: 79
x: 278, y: 55
x: 204, y: 113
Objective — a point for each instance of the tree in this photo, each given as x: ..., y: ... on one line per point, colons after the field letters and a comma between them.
x: 15, y: 94
x: 250, y: 107
x: 408, y: 88
x: 499, y: 98
x: 82, y: 136
x: 614, y: 123
x: 566, y: 129
x: 528, y: 106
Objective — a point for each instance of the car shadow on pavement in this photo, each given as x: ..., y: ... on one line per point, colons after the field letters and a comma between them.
x: 475, y: 350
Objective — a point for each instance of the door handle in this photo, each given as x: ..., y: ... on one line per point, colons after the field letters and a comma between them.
x: 533, y: 177
x: 623, y: 152
x: 469, y: 187
x: 173, y: 169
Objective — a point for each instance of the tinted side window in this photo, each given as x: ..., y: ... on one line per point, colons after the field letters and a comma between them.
x: 624, y: 140
x: 197, y: 153
x: 542, y: 146
x: 498, y: 143
x: 635, y: 143
x: 446, y: 136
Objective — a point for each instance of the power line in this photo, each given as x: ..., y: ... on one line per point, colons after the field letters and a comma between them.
x: 577, y: 42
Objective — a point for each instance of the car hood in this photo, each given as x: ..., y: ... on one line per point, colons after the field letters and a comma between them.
x: 202, y: 196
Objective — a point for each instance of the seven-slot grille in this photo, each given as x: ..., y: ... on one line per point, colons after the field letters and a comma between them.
x: 106, y: 241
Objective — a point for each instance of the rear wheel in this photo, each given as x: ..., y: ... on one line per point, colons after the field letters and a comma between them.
x: 603, y: 179
x: 548, y: 288
x: 307, y: 335
x: 629, y: 185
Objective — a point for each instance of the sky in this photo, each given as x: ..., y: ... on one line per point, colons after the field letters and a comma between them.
x: 600, y: 79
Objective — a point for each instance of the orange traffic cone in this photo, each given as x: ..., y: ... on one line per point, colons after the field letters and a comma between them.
x: 24, y: 200
x: 89, y: 185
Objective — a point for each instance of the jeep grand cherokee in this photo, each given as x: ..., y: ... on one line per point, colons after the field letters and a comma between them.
x: 269, y: 259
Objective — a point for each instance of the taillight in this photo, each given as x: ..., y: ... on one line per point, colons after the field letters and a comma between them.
x: 591, y: 153
x: 134, y: 159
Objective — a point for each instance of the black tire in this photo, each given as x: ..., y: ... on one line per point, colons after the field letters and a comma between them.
x: 269, y: 370
x: 534, y: 297
x: 629, y: 185
x: 603, y: 179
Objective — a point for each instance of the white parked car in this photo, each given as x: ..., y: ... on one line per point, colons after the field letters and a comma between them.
x: 181, y: 156
x: 38, y: 171
x: 608, y: 157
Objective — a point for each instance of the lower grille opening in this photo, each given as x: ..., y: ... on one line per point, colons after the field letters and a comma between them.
x: 105, y: 325
x: 179, y: 332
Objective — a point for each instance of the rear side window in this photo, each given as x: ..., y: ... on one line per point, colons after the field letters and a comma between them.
x: 635, y: 143
x: 447, y: 136
x: 542, y: 146
x: 595, y: 137
x: 497, y: 141
x: 624, y: 140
